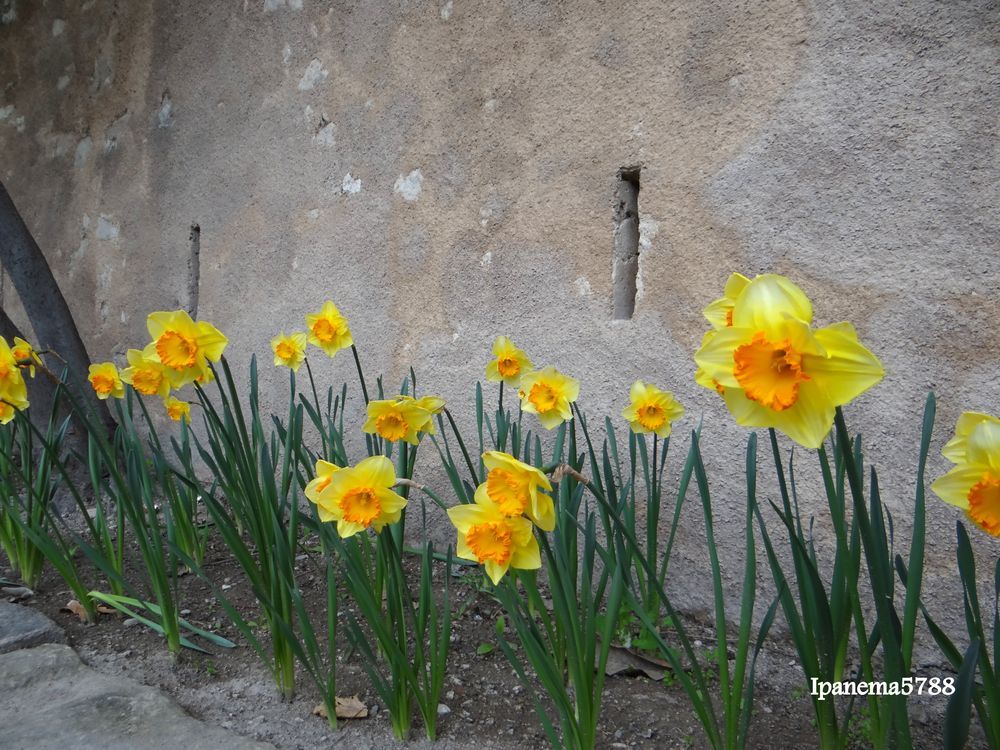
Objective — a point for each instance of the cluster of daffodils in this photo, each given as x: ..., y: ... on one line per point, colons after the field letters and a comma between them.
x: 772, y: 368
x: 327, y: 330
x: 14, y: 362
x: 177, y: 355
x: 546, y: 392
x: 403, y: 418
x: 496, y: 530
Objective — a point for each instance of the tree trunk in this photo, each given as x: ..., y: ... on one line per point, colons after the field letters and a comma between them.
x: 44, y: 303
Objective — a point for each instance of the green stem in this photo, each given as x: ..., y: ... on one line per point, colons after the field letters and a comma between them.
x: 361, y: 374
x: 461, y: 444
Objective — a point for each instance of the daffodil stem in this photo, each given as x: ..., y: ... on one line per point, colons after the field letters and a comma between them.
x: 361, y: 374
x: 461, y: 444
x: 500, y: 407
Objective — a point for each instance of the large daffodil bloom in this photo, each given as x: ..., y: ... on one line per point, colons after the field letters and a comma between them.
x: 509, y: 364
x: 974, y: 483
x: 548, y: 393
x: 25, y: 355
x: 328, y: 329
x: 184, y: 347
x: 324, y: 471
x: 514, y: 487
x: 651, y: 410
x: 13, y: 389
x: 492, y: 539
x: 359, y: 497
x: 289, y: 351
x: 145, y: 373
x: 774, y: 370
x: 395, y: 419
x: 106, y: 381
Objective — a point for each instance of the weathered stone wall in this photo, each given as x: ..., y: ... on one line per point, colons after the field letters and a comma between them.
x: 445, y: 171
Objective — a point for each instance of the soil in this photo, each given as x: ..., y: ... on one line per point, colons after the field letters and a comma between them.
x: 483, y: 705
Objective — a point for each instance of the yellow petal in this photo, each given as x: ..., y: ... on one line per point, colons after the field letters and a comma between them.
x: 767, y: 301
x: 954, y: 486
x: 374, y: 471
x: 848, y: 370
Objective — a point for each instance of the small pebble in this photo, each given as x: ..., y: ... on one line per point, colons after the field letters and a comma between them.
x: 443, y: 709
x: 129, y: 622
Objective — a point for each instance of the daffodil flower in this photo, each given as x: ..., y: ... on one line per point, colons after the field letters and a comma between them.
x: 25, y: 355
x: 289, y: 351
x: 395, y: 419
x: 328, y: 329
x: 548, y: 393
x: 974, y: 483
x: 145, y: 373
x: 184, y: 347
x: 514, y: 488
x: 13, y: 389
x: 492, y: 539
x: 360, y: 497
x: 177, y: 409
x: 776, y: 371
x: 651, y: 410
x: 509, y: 364
x: 431, y: 404
x: 106, y: 381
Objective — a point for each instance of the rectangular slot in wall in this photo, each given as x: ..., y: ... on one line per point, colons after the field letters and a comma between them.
x: 625, y: 261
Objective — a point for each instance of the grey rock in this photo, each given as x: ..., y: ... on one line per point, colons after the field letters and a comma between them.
x: 24, y: 627
x: 50, y: 699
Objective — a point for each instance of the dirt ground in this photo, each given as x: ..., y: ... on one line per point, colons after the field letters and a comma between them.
x: 483, y: 705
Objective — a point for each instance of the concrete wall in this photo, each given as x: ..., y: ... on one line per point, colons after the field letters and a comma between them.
x: 445, y: 171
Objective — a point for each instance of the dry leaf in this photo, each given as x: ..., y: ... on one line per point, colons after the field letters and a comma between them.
x: 106, y: 610
x: 76, y: 608
x: 347, y: 708
x: 625, y: 661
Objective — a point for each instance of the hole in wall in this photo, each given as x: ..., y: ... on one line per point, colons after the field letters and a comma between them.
x: 625, y: 260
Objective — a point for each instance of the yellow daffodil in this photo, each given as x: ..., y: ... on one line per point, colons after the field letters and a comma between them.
x: 720, y: 312
x: 776, y: 371
x: 289, y: 351
x: 25, y: 355
x: 145, y: 373
x: 394, y: 420
x: 13, y: 389
x: 324, y: 471
x: 328, y: 329
x: 7, y: 412
x: 184, y: 347
x: 513, y: 486
x: 106, y: 381
x: 177, y: 409
x: 360, y: 497
x: 509, y: 363
x: 492, y: 539
x: 974, y: 483
x: 431, y: 404
x: 548, y: 393
x: 651, y: 410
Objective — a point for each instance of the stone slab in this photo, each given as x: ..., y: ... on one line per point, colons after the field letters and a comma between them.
x: 24, y: 627
x: 50, y: 699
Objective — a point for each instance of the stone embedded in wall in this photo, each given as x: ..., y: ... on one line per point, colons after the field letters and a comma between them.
x: 314, y: 74
x: 58, y: 27
x: 107, y: 228
x: 350, y: 185
x: 272, y: 5
x: 8, y: 11
x: 446, y: 10
x: 409, y: 186
x: 326, y: 135
x: 165, y: 114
